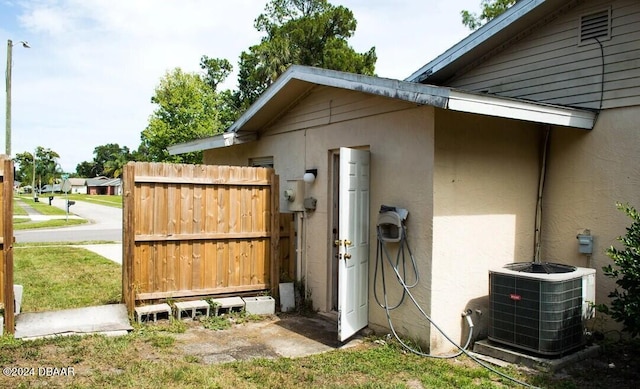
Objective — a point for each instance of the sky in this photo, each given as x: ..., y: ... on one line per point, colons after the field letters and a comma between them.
x: 93, y: 65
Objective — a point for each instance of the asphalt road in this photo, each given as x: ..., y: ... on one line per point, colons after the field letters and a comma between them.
x: 105, y: 224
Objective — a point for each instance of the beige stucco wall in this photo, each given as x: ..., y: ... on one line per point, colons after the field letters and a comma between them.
x: 486, y: 181
x: 588, y: 173
x: 401, y: 146
x: 470, y: 184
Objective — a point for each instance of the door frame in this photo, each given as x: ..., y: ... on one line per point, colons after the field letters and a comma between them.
x: 334, y: 263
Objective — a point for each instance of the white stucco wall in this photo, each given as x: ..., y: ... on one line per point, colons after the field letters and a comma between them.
x: 486, y: 180
x: 588, y: 173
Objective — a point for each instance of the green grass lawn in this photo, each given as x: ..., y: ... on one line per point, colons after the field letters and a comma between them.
x: 27, y: 224
x: 18, y: 210
x: 42, y: 206
x: 61, y: 277
x: 111, y: 201
x: 58, y: 277
x: 148, y: 359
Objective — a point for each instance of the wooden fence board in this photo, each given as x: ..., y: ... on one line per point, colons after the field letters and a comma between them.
x: 196, y: 230
x: 287, y: 246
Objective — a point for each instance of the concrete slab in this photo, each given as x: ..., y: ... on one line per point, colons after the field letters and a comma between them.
x: 495, y: 350
x: 289, y: 336
x: 106, y: 319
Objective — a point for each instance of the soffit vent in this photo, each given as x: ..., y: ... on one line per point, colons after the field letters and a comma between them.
x: 595, y: 25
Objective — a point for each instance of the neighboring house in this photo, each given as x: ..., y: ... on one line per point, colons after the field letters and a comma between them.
x: 104, y: 186
x: 512, y: 114
x: 78, y: 185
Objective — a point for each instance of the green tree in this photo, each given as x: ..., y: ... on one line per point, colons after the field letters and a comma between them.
x: 109, y: 158
x: 303, y: 32
x: 108, y: 161
x: 490, y: 9
x: 216, y: 71
x: 85, y: 169
x: 47, y: 169
x: 186, y: 110
x: 24, y: 171
x: 114, y: 166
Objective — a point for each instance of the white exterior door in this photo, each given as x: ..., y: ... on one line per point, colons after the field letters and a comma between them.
x: 353, y: 241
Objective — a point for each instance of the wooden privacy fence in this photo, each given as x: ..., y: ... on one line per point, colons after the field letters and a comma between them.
x: 6, y: 241
x: 286, y: 247
x: 196, y: 230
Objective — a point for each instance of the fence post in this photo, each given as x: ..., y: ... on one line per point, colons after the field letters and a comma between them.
x: 128, y: 236
x: 7, y: 244
x: 275, y: 234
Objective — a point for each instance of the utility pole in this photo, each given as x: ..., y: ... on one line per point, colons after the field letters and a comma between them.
x: 7, y: 144
x: 33, y: 179
x: 7, y: 139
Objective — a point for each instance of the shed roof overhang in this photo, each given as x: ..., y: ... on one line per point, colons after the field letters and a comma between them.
x: 294, y: 84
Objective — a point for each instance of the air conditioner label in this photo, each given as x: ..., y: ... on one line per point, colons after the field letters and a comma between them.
x: 515, y: 297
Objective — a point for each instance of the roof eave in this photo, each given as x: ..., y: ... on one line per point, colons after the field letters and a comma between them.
x: 246, y: 128
x: 213, y: 142
x: 521, y: 110
x: 429, y: 95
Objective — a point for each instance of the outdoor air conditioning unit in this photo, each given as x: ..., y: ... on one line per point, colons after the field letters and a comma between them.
x: 540, y: 307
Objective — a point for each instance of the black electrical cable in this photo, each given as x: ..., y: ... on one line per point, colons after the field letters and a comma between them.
x: 602, y: 72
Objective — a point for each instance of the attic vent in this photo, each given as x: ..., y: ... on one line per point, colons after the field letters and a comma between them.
x: 595, y: 25
x: 261, y: 162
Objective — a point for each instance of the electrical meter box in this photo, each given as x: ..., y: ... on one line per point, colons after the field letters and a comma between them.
x: 294, y: 193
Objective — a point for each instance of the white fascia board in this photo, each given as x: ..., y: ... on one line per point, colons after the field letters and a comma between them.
x: 214, y: 142
x: 521, y: 110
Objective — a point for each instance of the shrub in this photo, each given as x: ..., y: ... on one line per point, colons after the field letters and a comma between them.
x: 625, y: 299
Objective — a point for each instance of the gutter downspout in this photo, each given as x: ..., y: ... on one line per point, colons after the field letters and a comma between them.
x: 543, y: 173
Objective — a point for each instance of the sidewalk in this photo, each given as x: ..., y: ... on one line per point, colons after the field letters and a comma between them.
x: 37, y: 216
x: 111, y: 251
